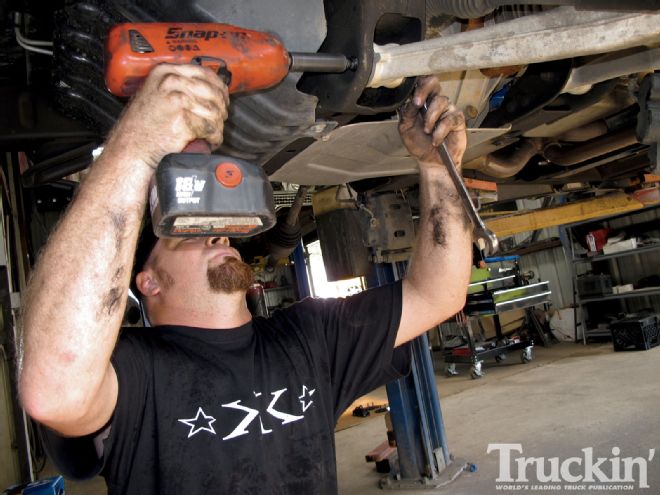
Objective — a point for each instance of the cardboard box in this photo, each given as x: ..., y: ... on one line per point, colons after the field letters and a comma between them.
x: 617, y: 247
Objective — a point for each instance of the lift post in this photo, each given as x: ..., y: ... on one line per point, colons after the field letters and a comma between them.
x: 424, y: 457
x: 300, y: 270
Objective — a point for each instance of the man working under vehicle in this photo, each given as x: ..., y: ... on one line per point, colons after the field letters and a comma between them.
x: 211, y: 400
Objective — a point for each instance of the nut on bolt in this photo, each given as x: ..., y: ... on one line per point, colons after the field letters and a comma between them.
x: 471, y: 112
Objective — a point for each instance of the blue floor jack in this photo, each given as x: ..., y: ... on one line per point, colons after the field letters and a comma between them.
x: 49, y: 486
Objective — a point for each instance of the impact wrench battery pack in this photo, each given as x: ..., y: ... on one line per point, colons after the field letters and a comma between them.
x: 195, y: 194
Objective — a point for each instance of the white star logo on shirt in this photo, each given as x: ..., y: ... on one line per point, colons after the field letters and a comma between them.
x: 205, y: 421
x: 306, y: 392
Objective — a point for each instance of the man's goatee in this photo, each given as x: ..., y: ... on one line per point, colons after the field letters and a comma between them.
x: 230, y: 276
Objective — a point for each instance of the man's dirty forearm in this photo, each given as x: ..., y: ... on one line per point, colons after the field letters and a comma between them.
x: 441, y: 205
x: 440, y: 266
x: 77, y: 293
x: 443, y: 247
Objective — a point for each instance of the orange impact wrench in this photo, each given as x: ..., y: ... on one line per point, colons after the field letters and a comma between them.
x: 195, y: 193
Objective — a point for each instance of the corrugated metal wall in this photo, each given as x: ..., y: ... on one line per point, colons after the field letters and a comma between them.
x: 552, y: 265
x: 632, y: 268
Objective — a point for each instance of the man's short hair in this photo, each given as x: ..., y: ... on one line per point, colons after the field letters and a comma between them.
x: 145, y: 245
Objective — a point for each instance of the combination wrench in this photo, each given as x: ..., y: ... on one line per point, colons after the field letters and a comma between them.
x: 486, y: 239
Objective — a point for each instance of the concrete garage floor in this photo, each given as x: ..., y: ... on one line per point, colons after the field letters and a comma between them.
x: 569, y: 398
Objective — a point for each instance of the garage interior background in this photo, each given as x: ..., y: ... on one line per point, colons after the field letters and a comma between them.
x: 528, y: 121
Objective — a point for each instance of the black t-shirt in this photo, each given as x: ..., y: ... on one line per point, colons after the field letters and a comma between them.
x: 245, y: 410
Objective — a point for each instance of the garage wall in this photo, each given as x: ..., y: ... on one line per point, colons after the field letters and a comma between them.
x: 550, y: 265
x: 632, y: 268
x: 9, y: 468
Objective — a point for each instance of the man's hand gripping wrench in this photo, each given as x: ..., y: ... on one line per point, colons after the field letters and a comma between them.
x: 486, y: 239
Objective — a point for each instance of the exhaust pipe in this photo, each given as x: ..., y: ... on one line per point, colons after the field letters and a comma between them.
x: 572, y: 155
x: 285, y: 236
x: 504, y: 164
